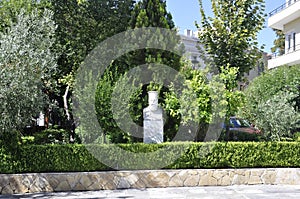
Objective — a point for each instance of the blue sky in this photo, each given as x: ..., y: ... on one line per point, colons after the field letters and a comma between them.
x: 186, y: 12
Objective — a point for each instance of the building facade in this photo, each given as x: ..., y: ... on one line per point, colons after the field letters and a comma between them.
x: 191, y: 43
x: 287, y: 19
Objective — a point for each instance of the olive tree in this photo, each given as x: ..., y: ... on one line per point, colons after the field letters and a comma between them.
x: 26, y: 64
x: 273, y: 101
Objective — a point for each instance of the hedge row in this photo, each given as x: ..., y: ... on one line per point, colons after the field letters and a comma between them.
x: 71, y: 158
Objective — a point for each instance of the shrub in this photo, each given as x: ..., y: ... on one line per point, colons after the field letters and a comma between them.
x: 51, y: 136
x: 273, y: 101
x: 76, y: 158
x: 26, y: 140
x: 297, y: 137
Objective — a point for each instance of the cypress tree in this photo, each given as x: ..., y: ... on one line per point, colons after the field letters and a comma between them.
x: 146, y: 13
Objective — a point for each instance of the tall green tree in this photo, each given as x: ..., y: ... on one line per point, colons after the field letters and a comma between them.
x: 153, y: 13
x: 146, y: 13
x: 279, y: 43
x: 229, y: 37
x: 81, y: 26
x: 27, y: 61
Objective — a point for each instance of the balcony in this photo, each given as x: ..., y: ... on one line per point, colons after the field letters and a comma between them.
x: 291, y: 57
x: 284, y: 14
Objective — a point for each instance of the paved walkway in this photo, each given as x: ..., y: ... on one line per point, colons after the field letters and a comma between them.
x: 211, y: 192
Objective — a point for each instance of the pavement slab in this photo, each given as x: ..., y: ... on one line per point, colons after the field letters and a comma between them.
x: 205, y: 192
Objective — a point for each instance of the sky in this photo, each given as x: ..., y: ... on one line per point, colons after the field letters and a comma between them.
x: 186, y: 12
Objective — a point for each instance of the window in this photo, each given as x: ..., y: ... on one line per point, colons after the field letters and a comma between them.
x: 294, y: 41
x: 289, y: 42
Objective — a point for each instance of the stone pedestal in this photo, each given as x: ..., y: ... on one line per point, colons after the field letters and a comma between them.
x: 153, y: 120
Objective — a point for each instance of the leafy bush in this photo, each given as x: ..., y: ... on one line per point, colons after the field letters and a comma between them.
x: 9, y: 151
x: 297, y: 137
x: 26, y: 140
x: 69, y: 158
x: 273, y: 102
x: 51, y: 136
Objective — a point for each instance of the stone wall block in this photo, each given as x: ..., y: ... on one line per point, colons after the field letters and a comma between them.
x: 219, y: 174
x: 63, y: 186
x: 208, y: 180
x: 288, y: 176
x: 7, y: 190
x: 192, y: 181
x: 4, y: 180
x: 175, y: 181
x: 142, y: 181
x: 132, y: 179
x: 86, y: 181
x: 27, y: 180
x: 94, y: 187
x: 225, y: 181
x: 40, y: 184
x: 183, y: 175
x: 157, y: 179
x: 269, y: 177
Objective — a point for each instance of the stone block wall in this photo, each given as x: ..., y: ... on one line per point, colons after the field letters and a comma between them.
x: 90, y: 181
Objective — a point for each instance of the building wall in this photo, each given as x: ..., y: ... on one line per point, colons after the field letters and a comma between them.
x: 290, y: 29
x: 190, y: 41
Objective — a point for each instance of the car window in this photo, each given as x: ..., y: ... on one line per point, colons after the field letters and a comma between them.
x: 239, y: 123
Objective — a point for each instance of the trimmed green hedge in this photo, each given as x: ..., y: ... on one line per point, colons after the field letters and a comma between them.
x: 71, y: 158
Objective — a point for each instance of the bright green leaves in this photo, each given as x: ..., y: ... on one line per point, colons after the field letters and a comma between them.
x: 229, y: 37
x: 279, y: 43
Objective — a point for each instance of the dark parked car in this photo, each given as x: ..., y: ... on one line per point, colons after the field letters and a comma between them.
x: 242, y: 125
x: 241, y: 130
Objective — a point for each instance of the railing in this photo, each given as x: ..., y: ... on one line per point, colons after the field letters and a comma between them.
x: 291, y: 50
x: 282, y: 7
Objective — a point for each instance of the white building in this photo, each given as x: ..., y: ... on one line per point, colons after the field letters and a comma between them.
x: 191, y: 43
x: 287, y: 19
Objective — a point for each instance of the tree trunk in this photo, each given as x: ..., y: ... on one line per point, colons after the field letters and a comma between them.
x: 70, y: 121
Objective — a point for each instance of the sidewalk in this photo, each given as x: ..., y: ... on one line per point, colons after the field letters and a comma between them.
x: 209, y: 192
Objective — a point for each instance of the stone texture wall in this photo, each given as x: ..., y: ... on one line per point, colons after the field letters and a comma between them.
x: 84, y: 181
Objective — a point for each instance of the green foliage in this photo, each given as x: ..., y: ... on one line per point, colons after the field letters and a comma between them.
x: 213, y: 100
x: 273, y: 102
x: 11, y: 8
x: 279, y: 43
x: 116, y: 83
x: 27, y: 63
x: 230, y: 36
x: 9, y: 151
x: 27, y: 140
x: 297, y: 136
x: 277, y: 116
x: 72, y: 158
x: 57, y: 158
x: 51, y: 136
x: 82, y: 25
